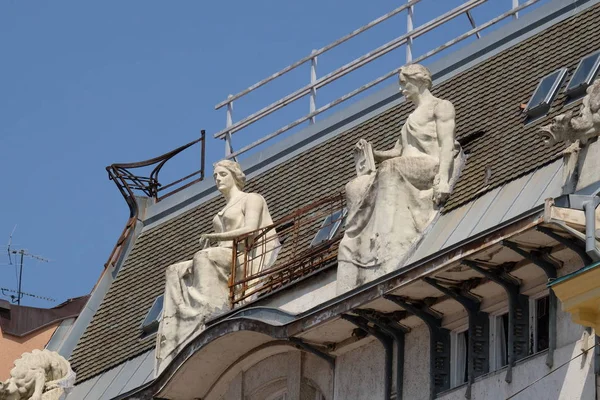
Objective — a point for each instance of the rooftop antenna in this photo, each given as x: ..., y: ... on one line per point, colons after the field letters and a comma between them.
x: 20, y: 255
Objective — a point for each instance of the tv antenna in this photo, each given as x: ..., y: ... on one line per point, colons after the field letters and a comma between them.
x: 20, y: 255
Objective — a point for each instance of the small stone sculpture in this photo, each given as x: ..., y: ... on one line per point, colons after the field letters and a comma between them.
x: 198, y: 288
x: 576, y: 131
x: 390, y: 207
x: 39, y: 375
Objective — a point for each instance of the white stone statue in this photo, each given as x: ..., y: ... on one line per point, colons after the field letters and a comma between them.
x: 198, y: 289
x: 576, y: 131
x: 39, y: 375
x: 389, y: 208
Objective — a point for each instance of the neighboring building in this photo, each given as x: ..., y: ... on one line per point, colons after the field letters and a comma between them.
x: 467, y: 314
x: 23, y: 329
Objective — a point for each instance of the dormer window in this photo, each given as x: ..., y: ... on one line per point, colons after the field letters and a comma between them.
x: 329, y: 228
x: 584, y: 75
x: 544, y: 94
x: 152, y: 320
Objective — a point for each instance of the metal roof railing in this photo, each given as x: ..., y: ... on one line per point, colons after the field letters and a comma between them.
x: 316, y: 83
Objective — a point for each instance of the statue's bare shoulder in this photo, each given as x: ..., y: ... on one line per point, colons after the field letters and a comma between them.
x: 444, y: 110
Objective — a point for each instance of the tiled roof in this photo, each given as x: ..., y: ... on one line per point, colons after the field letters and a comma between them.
x: 486, y: 97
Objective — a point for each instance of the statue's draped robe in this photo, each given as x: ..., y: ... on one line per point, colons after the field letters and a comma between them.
x: 198, y: 289
x: 388, y: 210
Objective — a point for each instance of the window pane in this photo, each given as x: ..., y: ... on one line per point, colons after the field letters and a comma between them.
x: 542, y: 323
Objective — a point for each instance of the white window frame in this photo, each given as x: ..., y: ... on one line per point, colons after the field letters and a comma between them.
x: 579, y: 90
x: 541, y: 109
x: 455, y: 379
x: 494, y: 351
x: 533, y: 320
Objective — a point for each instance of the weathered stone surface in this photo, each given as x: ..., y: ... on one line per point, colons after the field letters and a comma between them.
x: 197, y: 289
x: 39, y: 375
x: 390, y: 207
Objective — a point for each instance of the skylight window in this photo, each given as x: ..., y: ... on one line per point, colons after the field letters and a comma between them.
x: 544, y: 93
x: 584, y: 75
x: 330, y: 227
x: 152, y: 320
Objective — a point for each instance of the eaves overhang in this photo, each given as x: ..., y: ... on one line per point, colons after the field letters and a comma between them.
x: 242, y: 331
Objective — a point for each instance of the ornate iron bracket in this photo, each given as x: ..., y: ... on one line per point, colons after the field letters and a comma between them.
x: 387, y: 344
x: 397, y: 332
x: 550, y: 271
x: 439, y: 339
x: 479, y: 343
x: 518, y: 314
x: 569, y: 243
x: 313, y: 350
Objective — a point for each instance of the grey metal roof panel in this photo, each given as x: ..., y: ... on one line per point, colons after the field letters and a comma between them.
x: 139, y: 377
x: 119, y: 382
x: 80, y: 391
x: 440, y: 231
x: 480, y: 208
x: 103, y: 384
x: 528, y: 198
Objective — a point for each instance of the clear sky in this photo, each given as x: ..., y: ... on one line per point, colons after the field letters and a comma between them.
x: 85, y: 84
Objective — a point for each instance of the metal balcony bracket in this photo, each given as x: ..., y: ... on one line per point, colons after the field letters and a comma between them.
x: 313, y: 350
x: 518, y: 314
x: 386, y: 342
x: 550, y: 269
x: 568, y: 243
x: 439, y: 339
x: 395, y: 330
x: 479, y: 339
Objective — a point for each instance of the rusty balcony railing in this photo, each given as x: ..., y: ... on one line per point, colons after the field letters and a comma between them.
x: 315, y: 83
x: 128, y: 183
x: 300, y: 243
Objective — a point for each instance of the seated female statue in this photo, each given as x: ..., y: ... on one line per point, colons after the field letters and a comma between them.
x: 198, y: 289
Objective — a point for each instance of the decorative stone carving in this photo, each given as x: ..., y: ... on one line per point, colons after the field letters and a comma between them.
x: 576, y: 132
x: 580, y: 129
x: 390, y: 207
x: 198, y: 289
x: 39, y: 375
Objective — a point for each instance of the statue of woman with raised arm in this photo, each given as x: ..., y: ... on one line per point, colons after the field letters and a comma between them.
x: 198, y: 288
x: 389, y: 207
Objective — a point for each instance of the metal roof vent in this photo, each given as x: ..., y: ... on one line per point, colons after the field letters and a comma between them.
x: 152, y: 320
x: 544, y: 93
x: 584, y: 75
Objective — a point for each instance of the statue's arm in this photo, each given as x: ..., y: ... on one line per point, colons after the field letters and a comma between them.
x: 396, y: 151
x: 254, y: 209
x: 445, y: 122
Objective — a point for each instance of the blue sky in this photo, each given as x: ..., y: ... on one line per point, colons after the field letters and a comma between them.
x: 87, y: 84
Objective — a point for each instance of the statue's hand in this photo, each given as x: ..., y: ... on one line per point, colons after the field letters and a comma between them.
x: 441, y: 192
x: 205, y: 239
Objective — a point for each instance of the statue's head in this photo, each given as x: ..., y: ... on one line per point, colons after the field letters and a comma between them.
x: 414, y: 78
x: 558, y: 130
x: 227, y: 174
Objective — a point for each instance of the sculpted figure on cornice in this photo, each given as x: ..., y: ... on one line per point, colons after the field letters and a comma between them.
x: 389, y: 206
x: 576, y: 130
x: 198, y: 289
x: 39, y: 375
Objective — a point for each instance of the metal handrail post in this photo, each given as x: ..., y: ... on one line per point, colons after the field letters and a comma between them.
x: 228, y: 123
x: 409, y: 27
x: 313, y: 91
x: 515, y: 4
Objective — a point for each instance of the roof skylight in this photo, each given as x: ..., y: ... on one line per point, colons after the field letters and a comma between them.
x: 544, y: 93
x: 584, y: 75
x: 330, y: 227
x: 152, y: 320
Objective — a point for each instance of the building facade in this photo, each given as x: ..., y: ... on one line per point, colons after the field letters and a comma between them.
x: 466, y: 313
